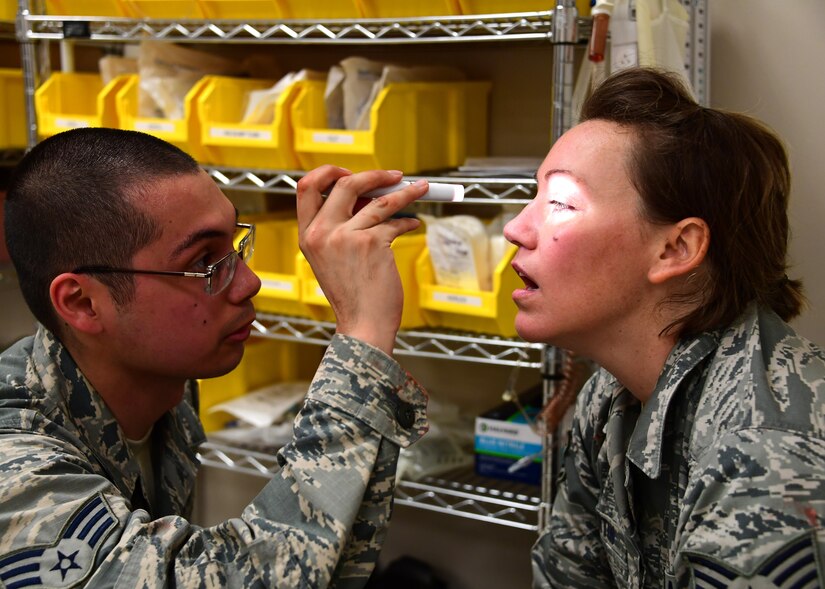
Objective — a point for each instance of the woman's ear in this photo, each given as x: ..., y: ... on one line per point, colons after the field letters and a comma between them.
x: 76, y: 300
x: 683, y: 250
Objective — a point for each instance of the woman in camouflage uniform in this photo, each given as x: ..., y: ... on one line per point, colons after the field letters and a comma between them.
x: 656, y: 246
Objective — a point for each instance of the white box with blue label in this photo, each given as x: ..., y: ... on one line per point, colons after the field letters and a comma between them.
x: 503, y: 436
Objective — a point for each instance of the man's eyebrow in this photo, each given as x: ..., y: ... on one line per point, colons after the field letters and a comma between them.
x: 201, y: 235
x: 197, y: 237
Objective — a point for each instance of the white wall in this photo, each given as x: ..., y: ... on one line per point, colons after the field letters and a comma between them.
x: 767, y: 61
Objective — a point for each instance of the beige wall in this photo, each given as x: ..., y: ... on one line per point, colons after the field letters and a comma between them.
x: 767, y: 60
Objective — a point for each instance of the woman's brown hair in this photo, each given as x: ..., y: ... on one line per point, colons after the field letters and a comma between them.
x: 726, y: 168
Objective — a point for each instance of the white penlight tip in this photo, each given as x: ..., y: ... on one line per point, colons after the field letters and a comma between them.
x: 444, y: 192
x: 436, y: 191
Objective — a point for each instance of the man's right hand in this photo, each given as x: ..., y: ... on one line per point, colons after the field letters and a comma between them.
x: 349, y: 248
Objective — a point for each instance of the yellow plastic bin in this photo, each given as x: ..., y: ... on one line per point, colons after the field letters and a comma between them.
x: 265, y: 361
x: 241, y: 9
x: 275, y: 262
x: 505, y: 6
x: 8, y: 10
x: 185, y: 132
x: 413, y: 127
x: 71, y: 100
x: 312, y: 9
x: 407, y: 249
x: 220, y: 107
x: 408, y: 8
x: 87, y: 8
x: 491, y: 312
x: 12, y: 110
x: 173, y: 9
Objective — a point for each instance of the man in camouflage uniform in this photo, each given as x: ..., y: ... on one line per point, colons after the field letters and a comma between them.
x: 656, y: 246
x: 98, y: 413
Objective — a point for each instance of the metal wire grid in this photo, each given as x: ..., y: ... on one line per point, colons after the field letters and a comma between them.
x: 463, y: 494
x: 491, y: 27
x: 467, y: 495
x: 476, y: 190
x: 446, y: 345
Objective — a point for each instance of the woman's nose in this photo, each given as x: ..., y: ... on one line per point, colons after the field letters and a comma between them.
x: 517, y: 230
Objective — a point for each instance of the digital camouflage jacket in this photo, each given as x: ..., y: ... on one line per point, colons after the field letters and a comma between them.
x: 717, y: 481
x: 72, y: 512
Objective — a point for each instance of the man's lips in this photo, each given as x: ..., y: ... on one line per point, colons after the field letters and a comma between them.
x: 243, y: 331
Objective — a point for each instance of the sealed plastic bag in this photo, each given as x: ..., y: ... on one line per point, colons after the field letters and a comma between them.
x: 260, y: 104
x: 460, y: 252
x: 391, y: 74
x: 662, y: 29
x: 167, y: 72
x: 359, y: 76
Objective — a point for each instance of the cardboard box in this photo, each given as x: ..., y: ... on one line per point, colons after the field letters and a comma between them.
x: 503, y: 436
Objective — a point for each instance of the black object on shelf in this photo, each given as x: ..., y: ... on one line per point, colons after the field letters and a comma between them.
x: 406, y: 572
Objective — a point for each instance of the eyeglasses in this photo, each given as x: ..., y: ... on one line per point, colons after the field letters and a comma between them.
x: 217, y: 275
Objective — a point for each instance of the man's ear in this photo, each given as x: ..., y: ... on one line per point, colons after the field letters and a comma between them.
x: 682, y: 251
x: 77, y: 301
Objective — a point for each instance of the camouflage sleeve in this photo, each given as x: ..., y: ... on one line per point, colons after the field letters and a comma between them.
x: 755, y: 509
x: 318, y: 523
x: 569, y: 553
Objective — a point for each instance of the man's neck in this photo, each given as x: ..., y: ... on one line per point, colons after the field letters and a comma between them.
x: 136, y: 400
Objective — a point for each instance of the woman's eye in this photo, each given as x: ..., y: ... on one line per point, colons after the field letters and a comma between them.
x: 558, y: 205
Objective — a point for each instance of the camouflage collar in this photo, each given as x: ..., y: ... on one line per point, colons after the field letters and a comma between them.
x: 81, y: 411
x: 71, y: 402
x: 645, y: 447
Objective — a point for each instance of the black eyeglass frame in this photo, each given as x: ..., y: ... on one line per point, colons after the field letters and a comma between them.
x: 246, y: 240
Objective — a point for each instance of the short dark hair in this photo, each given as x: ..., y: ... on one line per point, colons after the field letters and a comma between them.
x: 726, y: 168
x: 72, y: 202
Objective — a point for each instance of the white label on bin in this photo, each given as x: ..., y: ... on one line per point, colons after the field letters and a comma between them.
x: 469, y: 301
x: 342, y: 139
x: 154, y: 126
x: 240, y: 134
x: 282, y: 285
x: 65, y: 123
x: 320, y: 292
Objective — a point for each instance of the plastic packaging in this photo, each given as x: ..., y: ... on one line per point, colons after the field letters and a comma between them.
x: 662, y: 31
x: 624, y: 46
x: 460, y: 251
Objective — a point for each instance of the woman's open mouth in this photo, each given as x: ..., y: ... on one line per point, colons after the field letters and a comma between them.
x: 528, y: 283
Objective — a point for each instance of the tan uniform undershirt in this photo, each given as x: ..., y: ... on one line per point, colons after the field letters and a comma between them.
x: 142, y: 449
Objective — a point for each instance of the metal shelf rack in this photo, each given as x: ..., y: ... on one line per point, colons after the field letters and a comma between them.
x: 442, y: 345
x: 482, y: 500
x: 462, y: 494
x: 476, y: 190
x: 524, y: 26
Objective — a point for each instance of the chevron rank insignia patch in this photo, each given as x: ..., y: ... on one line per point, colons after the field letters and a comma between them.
x: 69, y: 559
x: 795, y: 565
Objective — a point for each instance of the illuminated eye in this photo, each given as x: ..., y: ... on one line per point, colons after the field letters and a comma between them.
x: 557, y: 205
